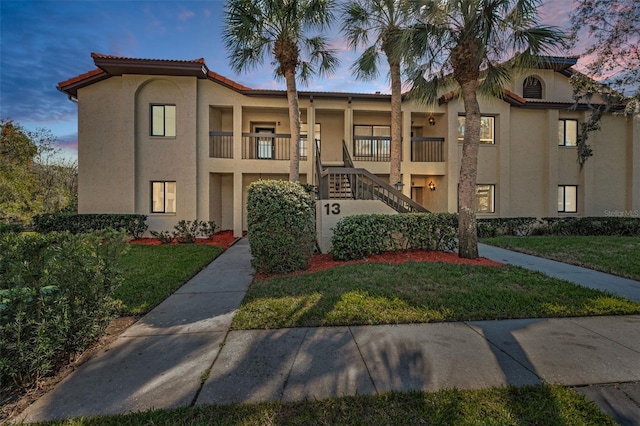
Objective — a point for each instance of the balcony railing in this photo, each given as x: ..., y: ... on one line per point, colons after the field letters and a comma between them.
x: 371, y: 148
x: 221, y: 144
x: 427, y: 150
x: 270, y: 146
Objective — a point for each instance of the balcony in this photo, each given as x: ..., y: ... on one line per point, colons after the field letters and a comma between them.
x: 430, y: 150
x: 255, y: 146
x: 371, y: 148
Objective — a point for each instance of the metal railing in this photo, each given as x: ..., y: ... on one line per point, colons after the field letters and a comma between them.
x: 372, y: 148
x: 427, y: 150
x: 363, y: 185
x: 221, y: 144
x: 270, y: 146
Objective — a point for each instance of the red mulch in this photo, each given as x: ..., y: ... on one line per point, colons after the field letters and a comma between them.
x: 320, y: 262
x: 222, y: 239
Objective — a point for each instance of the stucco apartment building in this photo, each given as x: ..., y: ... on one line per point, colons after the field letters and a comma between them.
x: 173, y: 140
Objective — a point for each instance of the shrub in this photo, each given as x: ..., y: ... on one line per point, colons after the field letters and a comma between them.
x: 514, y: 226
x: 55, y: 298
x: 11, y: 227
x: 281, y: 225
x: 165, y: 237
x: 186, y: 232
x: 591, y: 226
x: 133, y: 224
x: 359, y: 236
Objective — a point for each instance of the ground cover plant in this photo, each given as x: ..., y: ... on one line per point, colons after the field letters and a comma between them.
x: 529, y: 405
x: 153, y: 272
x: 417, y: 292
x: 614, y: 255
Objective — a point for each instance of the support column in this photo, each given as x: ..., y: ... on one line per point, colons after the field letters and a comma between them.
x: 311, y: 143
x: 406, y: 153
x: 453, y: 166
x: 550, y: 172
x: 634, y: 173
x: 237, y: 204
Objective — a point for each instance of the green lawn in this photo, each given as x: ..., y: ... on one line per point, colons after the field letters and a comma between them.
x: 417, y: 292
x: 532, y: 405
x: 152, y: 273
x: 614, y: 255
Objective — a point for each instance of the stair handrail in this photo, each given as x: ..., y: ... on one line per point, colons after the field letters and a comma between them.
x: 380, y: 183
x: 346, y: 157
x: 323, y: 193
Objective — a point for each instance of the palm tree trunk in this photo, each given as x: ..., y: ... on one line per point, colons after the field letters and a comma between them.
x: 467, y: 226
x: 294, y: 126
x: 396, y: 124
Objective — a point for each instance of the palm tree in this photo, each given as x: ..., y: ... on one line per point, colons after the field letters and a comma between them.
x: 463, y: 44
x: 254, y: 29
x: 384, y: 22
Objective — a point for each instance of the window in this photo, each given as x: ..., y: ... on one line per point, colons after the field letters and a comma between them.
x: 372, y: 141
x: 567, y: 132
x: 485, y: 198
x: 567, y: 199
x: 532, y: 88
x: 163, y: 197
x: 486, y: 129
x: 163, y: 120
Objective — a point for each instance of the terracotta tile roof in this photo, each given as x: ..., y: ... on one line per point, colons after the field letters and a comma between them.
x: 80, y: 77
x: 226, y: 81
x: 124, y: 58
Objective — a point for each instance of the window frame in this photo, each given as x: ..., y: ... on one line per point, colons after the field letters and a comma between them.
x: 164, y: 197
x: 538, y: 87
x: 492, y: 197
x: 484, y: 141
x: 165, y: 119
x: 564, y: 135
x: 563, y: 188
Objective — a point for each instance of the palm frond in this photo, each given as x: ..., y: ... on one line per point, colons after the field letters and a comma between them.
x: 366, y: 66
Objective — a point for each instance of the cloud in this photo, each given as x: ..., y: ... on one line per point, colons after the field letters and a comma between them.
x: 186, y: 15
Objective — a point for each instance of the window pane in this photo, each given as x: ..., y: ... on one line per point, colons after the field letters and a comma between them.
x: 157, y: 197
x: 571, y: 133
x: 362, y: 130
x: 157, y: 120
x: 570, y: 199
x: 461, y: 121
x: 170, y: 204
x: 561, y: 198
x: 561, y: 132
x: 484, y: 198
x: 170, y: 120
x: 381, y: 131
x: 486, y: 130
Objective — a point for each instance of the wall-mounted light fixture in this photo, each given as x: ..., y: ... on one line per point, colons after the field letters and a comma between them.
x: 432, y: 121
x: 399, y: 185
x: 432, y: 186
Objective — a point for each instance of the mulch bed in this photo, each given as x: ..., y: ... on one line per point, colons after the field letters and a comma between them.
x: 320, y: 262
x: 222, y: 239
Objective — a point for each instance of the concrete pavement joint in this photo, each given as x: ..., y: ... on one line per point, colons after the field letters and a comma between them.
x: 286, y: 380
x: 366, y: 366
x: 571, y: 320
x: 208, y: 369
x: 486, y: 339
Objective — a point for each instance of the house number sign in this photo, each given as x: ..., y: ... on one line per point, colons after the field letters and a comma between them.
x: 333, y: 208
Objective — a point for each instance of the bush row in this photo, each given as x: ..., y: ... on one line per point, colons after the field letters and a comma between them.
x: 589, y: 226
x: 515, y: 226
x: 281, y: 225
x: 55, y: 299
x: 11, y: 227
x: 186, y: 232
x: 133, y: 224
x: 359, y: 236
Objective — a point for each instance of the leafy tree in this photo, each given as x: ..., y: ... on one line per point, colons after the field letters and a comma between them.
x: 277, y: 28
x: 463, y: 44
x: 32, y: 180
x: 613, y: 26
x: 386, y: 23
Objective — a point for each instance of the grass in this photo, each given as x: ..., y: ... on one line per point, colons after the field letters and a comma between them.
x: 417, y: 292
x: 532, y: 405
x: 614, y: 255
x: 152, y: 273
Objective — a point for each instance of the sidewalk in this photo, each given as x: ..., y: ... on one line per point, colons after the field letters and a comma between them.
x: 161, y: 361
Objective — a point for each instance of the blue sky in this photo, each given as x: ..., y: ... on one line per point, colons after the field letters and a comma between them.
x: 45, y: 42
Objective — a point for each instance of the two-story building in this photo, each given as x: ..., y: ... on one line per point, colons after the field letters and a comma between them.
x: 173, y: 140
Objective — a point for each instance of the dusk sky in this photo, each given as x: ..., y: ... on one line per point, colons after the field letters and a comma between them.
x: 45, y: 42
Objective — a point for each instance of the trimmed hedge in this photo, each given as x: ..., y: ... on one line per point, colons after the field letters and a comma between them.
x: 11, y: 227
x: 359, y: 236
x: 281, y: 225
x: 55, y: 299
x: 515, y: 226
x: 133, y: 224
x: 590, y: 226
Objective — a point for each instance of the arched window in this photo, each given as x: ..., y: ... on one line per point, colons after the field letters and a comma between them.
x: 532, y: 88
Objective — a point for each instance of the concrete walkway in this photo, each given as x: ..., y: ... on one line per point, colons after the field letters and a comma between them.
x: 163, y: 360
